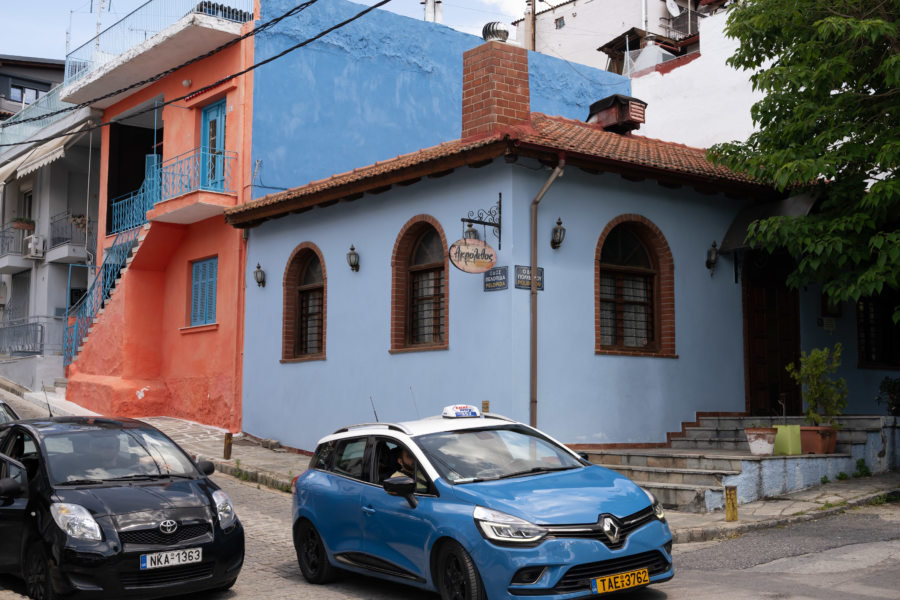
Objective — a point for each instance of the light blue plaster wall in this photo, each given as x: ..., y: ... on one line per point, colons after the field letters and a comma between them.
x: 582, y: 397
x: 379, y: 87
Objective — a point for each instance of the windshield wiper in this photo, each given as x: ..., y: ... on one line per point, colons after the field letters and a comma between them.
x: 81, y: 482
x: 534, y: 471
x: 138, y: 477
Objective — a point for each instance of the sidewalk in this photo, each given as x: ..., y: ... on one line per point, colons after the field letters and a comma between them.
x: 276, y: 468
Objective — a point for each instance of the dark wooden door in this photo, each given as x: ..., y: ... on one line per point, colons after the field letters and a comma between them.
x: 771, y: 335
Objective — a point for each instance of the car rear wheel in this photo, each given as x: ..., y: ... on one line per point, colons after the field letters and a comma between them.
x: 311, y: 554
x: 457, y: 576
x: 37, y: 573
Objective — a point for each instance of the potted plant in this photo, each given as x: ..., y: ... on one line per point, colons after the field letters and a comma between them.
x: 80, y: 221
x: 761, y: 439
x: 889, y: 393
x: 23, y: 223
x: 825, y: 397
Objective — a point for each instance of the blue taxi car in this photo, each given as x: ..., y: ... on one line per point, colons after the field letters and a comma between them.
x: 474, y: 506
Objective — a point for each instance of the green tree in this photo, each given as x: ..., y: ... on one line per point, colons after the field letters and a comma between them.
x: 829, y: 124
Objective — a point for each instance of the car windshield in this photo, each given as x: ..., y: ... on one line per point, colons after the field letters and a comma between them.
x: 6, y: 414
x: 494, y: 453
x: 98, y: 455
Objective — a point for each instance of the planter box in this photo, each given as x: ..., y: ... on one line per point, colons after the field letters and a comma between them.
x: 787, y: 441
x: 761, y: 440
x: 23, y: 226
x: 818, y: 439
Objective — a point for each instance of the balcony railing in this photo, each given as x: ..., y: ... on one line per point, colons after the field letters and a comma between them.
x: 12, y: 131
x: 143, y: 23
x: 23, y: 336
x: 68, y: 228
x: 12, y: 239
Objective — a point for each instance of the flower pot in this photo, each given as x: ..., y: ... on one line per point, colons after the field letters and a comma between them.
x: 787, y: 442
x: 761, y: 440
x: 24, y: 226
x: 819, y: 439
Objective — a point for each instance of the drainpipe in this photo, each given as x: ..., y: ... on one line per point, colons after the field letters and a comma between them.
x: 557, y: 172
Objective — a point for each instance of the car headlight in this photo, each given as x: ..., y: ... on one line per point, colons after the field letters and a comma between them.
x: 225, y: 509
x: 76, y: 521
x: 657, y: 507
x: 504, y: 528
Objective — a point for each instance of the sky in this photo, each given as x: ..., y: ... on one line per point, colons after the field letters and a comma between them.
x: 38, y: 28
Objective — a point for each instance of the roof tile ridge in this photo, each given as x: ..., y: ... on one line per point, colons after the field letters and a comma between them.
x: 644, y: 138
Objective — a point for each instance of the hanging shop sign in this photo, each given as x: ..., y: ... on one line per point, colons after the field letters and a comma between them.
x: 496, y: 279
x: 523, y: 277
x: 472, y: 256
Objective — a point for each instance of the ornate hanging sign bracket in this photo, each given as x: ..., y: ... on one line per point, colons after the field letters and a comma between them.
x: 493, y: 217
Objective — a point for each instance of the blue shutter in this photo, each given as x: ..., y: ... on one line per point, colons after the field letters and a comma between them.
x: 195, y: 294
x: 212, y: 268
x: 203, y: 291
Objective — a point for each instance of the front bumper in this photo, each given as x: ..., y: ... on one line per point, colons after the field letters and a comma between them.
x: 570, y: 564
x: 109, y: 570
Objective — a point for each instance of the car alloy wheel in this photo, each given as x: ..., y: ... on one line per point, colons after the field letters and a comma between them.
x: 37, y: 574
x: 311, y: 554
x: 458, y: 577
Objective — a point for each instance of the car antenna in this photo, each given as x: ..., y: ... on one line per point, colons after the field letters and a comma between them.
x: 46, y: 399
x: 418, y: 416
x: 373, y: 409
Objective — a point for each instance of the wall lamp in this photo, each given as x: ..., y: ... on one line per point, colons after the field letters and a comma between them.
x: 260, y: 276
x: 558, y: 235
x: 353, y: 259
x: 712, y: 257
x: 470, y: 233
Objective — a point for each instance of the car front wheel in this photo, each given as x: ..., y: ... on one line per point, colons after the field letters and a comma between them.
x: 457, y: 576
x: 311, y: 554
x: 37, y: 573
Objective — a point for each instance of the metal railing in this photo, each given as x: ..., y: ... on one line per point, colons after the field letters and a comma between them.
x: 143, y: 23
x: 23, y: 336
x: 130, y: 210
x: 199, y: 169
x: 68, y: 228
x: 13, y: 132
x: 12, y: 239
x: 81, y: 316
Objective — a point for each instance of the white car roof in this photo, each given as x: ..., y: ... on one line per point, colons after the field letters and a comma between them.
x: 432, y: 424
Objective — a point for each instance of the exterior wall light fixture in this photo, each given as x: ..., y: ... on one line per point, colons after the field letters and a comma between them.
x: 260, y: 276
x: 558, y: 235
x: 353, y: 259
x: 470, y: 233
x: 712, y: 257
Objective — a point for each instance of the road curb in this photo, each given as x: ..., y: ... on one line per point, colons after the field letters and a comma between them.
x: 267, y: 478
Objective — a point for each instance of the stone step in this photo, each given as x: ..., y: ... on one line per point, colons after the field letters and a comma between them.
x: 716, y: 444
x: 686, y: 498
x: 845, y: 435
x: 60, y: 382
x: 867, y: 422
x: 692, y: 477
x: 664, y: 460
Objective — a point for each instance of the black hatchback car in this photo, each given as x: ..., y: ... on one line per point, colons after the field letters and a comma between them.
x: 7, y: 414
x: 108, y: 508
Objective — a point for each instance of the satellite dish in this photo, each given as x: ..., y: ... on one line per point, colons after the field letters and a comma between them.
x: 673, y: 8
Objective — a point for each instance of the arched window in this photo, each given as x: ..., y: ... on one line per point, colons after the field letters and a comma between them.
x: 419, y: 312
x: 634, y: 291
x: 303, y: 331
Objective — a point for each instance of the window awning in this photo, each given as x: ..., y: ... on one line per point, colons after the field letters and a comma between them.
x: 795, y: 206
x: 50, y: 151
x: 10, y: 168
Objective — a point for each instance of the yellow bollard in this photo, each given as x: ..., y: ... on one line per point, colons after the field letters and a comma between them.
x: 227, y: 445
x: 731, y: 503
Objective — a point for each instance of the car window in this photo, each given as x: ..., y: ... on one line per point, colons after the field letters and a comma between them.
x: 349, y: 457
x: 395, y: 460
x: 20, y: 446
x: 6, y: 414
x: 322, y: 458
x: 493, y: 453
x: 13, y: 471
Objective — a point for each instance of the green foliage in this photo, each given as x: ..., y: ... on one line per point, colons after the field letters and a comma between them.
x: 825, y: 397
x: 889, y: 393
x: 828, y: 125
x: 842, y: 476
x: 825, y: 479
x: 862, y: 469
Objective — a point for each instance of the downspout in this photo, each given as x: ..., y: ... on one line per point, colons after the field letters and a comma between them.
x: 557, y: 172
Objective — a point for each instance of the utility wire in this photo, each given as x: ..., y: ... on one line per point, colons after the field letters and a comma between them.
x: 260, y: 28
x: 224, y: 79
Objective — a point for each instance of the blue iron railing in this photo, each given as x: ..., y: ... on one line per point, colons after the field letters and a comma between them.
x: 130, y: 210
x: 82, y: 315
x: 143, y: 23
x: 204, y: 169
x: 13, y: 132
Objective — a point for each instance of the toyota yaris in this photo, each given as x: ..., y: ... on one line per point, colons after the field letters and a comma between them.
x: 474, y: 506
x: 101, y: 508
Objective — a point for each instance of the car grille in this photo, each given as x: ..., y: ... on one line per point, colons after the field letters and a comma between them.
x: 154, y: 537
x: 594, y: 531
x: 165, y: 576
x: 579, y: 577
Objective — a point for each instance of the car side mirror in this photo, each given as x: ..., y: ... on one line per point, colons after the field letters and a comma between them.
x: 10, y: 488
x: 402, y: 486
x: 206, y: 467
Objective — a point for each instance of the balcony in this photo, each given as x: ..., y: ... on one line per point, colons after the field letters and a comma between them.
x: 13, y: 131
x: 188, y: 188
x: 71, y: 238
x: 12, y: 243
x: 155, y: 36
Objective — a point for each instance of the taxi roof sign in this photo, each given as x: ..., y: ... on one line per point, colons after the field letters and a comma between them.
x: 455, y: 411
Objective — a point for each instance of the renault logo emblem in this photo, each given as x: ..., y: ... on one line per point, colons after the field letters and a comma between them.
x: 611, y: 529
x: 168, y: 526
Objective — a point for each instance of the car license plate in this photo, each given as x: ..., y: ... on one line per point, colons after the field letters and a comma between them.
x: 620, y: 581
x: 171, y: 559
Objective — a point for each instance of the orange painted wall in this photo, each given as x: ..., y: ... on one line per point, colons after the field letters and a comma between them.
x: 142, y: 358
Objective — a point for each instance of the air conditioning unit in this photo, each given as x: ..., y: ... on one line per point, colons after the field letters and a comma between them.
x: 34, y: 246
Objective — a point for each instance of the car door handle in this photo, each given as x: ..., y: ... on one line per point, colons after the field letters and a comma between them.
x: 368, y: 510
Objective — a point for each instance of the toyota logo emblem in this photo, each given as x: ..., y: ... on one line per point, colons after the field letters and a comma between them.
x: 168, y: 526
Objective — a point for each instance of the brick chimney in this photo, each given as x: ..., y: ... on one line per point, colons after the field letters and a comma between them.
x: 495, y: 88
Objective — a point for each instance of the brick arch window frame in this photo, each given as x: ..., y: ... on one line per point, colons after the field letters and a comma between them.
x: 400, y: 286
x: 663, y: 286
x: 289, y: 321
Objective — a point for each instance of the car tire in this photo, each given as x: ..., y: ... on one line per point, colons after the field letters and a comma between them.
x: 311, y: 555
x: 457, y: 576
x: 37, y: 573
